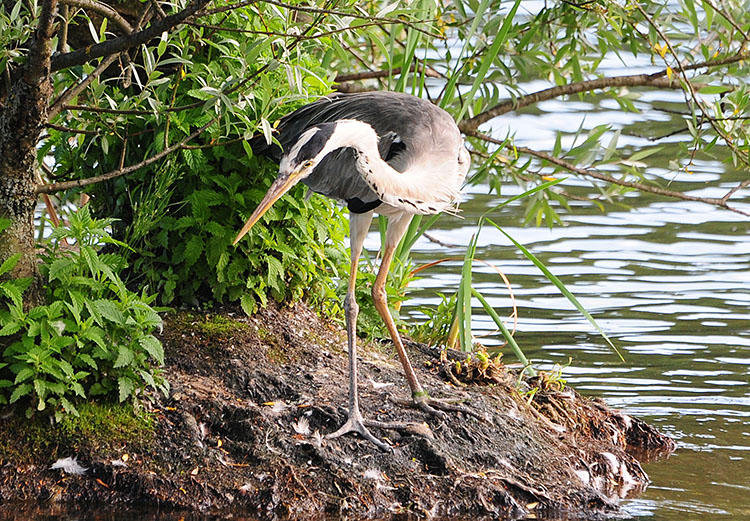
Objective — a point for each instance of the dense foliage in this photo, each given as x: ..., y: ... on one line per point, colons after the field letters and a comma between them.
x: 93, y: 337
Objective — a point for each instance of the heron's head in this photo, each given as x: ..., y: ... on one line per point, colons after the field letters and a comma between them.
x: 297, y: 163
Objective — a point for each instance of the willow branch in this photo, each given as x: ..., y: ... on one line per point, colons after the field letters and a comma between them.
x: 658, y: 79
x: 67, y: 185
x: 102, y: 9
x: 60, y: 103
x: 595, y: 174
x: 128, y: 41
x: 371, y: 75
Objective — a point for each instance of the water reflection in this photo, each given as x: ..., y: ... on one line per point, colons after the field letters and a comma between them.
x: 31, y: 512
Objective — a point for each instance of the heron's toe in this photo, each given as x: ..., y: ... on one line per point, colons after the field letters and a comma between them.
x: 356, y: 425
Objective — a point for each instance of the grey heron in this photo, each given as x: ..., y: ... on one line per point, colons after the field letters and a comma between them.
x: 385, y: 152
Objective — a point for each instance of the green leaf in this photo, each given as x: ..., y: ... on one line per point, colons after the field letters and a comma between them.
x: 193, y: 249
x: 10, y: 263
x: 11, y: 328
x: 24, y: 374
x: 125, y: 388
x: 153, y: 347
x: 86, y: 358
x: 715, y: 89
x: 109, y: 310
x: 125, y: 357
x: 10, y: 290
x: 68, y: 407
x: 20, y: 391
x: 248, y: 304
x: 643, y: 154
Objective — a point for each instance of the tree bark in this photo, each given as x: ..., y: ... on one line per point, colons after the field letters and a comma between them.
x: 22, y: 119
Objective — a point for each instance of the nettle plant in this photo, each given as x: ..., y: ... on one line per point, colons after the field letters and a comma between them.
x: 93, y: 337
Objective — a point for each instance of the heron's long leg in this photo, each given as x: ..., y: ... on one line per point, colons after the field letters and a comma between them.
x: 359, y: 224
x: 397, y: 226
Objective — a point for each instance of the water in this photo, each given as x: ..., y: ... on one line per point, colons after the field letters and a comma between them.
x: 668, y: 280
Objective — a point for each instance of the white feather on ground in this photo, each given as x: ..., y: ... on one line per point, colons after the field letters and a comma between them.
x: 69, y: 466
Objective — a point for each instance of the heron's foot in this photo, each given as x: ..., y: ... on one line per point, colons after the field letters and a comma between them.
x: 358, y: 425
x: 438, y: 408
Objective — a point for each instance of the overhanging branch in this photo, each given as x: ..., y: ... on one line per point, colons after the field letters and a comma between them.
x: 595, y: 174
x: 658, y: 79
x: 123, y: 43
x: 67, y: 185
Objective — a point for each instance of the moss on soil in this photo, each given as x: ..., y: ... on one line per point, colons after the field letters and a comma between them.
x: 101, y: 427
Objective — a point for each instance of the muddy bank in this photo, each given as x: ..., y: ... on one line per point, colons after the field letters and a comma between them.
x: 251, y: 398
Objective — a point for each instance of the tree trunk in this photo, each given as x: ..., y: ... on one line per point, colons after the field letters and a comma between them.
x: 22, y: 118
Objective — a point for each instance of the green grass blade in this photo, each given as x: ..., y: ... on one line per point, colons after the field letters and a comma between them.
x: 484, y: 68
x: 453, y: 80
x: 464, y: 297
x: 560, y: 286
x: 504, y: 330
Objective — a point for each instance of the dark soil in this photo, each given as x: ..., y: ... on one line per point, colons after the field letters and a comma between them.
x: 252, y: 397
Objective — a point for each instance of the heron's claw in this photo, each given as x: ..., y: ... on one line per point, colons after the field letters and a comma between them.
x: 356, y: 424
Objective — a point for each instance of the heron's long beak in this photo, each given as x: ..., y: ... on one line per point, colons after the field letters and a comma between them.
x: 280, y: 186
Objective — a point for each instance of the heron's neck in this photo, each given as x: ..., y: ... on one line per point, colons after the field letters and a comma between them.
x: 361, y: 138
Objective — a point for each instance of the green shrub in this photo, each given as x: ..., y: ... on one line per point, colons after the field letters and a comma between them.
x: 92, y: 338
x: 182, y: 234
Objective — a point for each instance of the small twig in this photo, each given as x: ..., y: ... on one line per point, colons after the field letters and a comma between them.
x: 732, y: 21
x: 67, y: 185
x: 318, y: 10
x: 225, y: 8
x: 102, y: 9
x: 72, y: 130
x: 730, y: 193
x: 216, y: 144
x: 62, y: 38
x: 437, y: 241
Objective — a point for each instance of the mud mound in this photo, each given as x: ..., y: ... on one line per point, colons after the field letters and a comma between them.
x: 252, y: 398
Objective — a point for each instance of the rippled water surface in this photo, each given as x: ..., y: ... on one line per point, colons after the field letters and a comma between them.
x: 669, y: 281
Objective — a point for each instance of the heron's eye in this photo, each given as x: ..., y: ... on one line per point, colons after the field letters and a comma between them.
x: 307, y: 164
